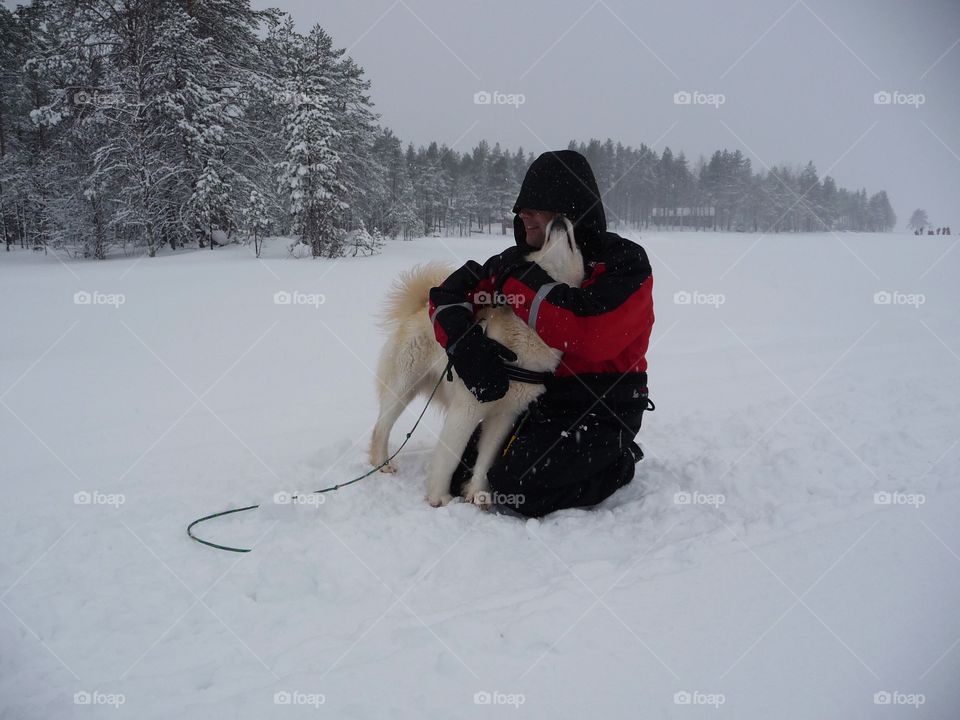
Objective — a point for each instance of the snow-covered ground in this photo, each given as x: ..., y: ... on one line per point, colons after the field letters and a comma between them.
x: 788, y: 549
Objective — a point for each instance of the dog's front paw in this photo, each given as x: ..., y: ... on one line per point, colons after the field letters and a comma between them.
x: 388, y: 468
x: 478, y: 495
x: 440, y: 501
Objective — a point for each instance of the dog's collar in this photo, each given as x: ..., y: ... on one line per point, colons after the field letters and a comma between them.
x: 513, y: 372
x: 527, y: 376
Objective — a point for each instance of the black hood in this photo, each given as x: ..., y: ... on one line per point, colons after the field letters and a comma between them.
x: 562, y: 181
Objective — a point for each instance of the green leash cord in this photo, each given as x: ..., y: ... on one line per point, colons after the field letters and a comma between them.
x: 190, y: 527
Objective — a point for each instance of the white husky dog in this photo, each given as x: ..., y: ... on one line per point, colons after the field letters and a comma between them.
x: 412, y: 362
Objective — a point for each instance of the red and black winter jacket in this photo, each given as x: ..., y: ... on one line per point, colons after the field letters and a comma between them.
x: 603, y: 327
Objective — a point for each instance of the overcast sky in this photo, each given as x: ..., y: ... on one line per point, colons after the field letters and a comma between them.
x: 798, y: 79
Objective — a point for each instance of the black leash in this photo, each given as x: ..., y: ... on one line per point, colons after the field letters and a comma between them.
x: 228, y: 548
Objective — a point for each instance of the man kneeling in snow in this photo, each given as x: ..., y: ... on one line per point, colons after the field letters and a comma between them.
x: 575, y: 445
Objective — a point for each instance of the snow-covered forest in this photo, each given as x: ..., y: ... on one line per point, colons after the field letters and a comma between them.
x: 141, y: 125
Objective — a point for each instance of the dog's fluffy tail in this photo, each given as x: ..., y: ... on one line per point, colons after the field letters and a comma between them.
x: 411, y: 291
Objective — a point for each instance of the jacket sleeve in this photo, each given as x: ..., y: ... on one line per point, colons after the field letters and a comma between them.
x: 596, y: 321
x: 451, y: 305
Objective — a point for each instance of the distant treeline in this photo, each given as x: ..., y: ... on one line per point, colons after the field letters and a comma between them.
x: 156, y: 123
x: 455, y: 192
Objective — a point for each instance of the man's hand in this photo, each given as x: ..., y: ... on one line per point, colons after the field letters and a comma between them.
x: 478, y: 361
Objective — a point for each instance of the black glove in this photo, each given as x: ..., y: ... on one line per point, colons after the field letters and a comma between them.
x: 478, y: 361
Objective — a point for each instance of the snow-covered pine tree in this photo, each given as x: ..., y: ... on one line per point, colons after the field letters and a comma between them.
x: 880, y: 214
x: 360, y: 241
x: 309, y: 171
x: 41, y: 128
x: 918, y: 220
x: 826, y: 202
x: 256, y: 219
x: 808, y: 190
x: 222, y: 147
x: 142, y: 162
x: 355, y: 130
x: 199, y: 94
x: 376, y: 241
x: 14, y: 41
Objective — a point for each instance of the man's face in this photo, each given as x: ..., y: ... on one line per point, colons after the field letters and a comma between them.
x: 535, y: 222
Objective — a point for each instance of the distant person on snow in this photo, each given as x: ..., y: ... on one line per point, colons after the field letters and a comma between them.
x: 575, y: 444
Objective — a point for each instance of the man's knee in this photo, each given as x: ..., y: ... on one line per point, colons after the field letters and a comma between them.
x: 521, y: 487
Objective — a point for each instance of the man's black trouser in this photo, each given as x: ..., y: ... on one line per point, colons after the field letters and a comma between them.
x: 571, y: 450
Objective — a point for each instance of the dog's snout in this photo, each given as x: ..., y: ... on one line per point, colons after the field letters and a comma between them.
x: 558, y: 224
x: 560, y: 228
